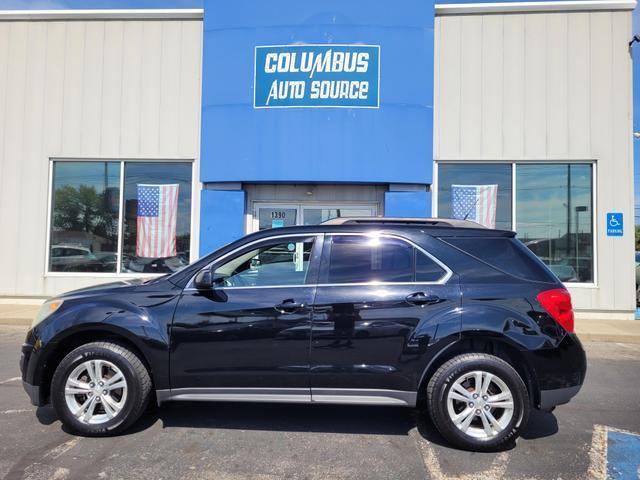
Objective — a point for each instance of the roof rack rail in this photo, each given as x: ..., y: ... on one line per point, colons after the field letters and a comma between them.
x: 431, y: 222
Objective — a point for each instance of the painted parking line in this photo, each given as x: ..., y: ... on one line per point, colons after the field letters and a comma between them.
x: 9, y: 380
x: 623, y: 455
x: 614, y: 454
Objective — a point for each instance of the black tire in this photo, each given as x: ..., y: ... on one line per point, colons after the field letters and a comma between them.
x: 132, y: 368
x: 441, y: 382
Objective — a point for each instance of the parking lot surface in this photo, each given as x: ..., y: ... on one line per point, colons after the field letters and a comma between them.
x: 595, y: 436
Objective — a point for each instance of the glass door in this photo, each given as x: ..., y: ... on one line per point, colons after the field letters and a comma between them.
x: 287, y: 215
x: 313, y: 214
x: 275, y: 216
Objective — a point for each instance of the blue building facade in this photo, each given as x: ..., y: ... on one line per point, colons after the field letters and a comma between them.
x: 381, y: 138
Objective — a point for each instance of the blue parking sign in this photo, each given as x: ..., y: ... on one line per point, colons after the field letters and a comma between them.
x: 615, y: 225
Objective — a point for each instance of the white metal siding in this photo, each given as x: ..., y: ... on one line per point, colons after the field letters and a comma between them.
x: 85, y: 89
x: 546, y: 87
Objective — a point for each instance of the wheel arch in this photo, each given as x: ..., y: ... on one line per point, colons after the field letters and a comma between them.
x: 81, y: 336
x: 491, y: 344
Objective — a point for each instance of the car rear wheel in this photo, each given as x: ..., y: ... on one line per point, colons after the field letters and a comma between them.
x: 100, y: 389
x: 478, y: 402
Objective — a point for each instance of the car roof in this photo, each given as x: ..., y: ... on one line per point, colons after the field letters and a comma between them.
x: 438, y: 227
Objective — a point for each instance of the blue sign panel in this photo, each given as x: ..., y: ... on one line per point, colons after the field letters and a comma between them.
x: 615, y: 226
x: 317, y: 76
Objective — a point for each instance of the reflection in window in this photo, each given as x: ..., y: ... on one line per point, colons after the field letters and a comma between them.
x: 84, y: 220
x: 285, y: 263
x: 315, y: 216
x: 478, y: 192
x: 554, y: 217
x: 85, y: 216
x: 356, y: 259
x: 157, y: 217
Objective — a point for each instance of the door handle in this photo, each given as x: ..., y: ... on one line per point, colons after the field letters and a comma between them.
x: 421, y: 298
x: 289, y: 306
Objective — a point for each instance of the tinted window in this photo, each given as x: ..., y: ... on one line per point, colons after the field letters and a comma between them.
x: 272, y: 264
x: 356, y: 259
x: 506, y: 254
x: 426, y: 269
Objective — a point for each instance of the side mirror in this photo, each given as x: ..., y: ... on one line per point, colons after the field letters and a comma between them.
x: 203, y: 280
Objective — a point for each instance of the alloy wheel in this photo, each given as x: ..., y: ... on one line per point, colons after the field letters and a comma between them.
x: 95, y: 391
x: 480, y: 404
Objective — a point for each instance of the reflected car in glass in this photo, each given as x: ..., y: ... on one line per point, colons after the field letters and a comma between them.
x: 462, y: 320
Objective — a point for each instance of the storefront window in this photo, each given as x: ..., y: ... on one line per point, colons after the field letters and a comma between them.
x: 84, y: 220
x: 157, y: 217
x: 554, y: 217
x: 478, y: 192
x: 86, y: 216
x: 553, y: 205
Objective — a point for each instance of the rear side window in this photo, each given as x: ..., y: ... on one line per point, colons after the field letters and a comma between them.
x: 506, y: 254
x: 356, y: 259
x: 363, y: 259
x: 427, y: 270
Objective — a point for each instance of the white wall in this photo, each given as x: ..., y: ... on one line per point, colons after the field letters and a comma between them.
x: 547, y: 87
x: 115, y: 89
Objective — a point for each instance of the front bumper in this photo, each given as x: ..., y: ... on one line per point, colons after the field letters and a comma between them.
x: 27, y: 368
x: 34, y: 394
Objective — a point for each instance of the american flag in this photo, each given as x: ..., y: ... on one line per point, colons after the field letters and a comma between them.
x: 157, y: 216
x: 475, y: 202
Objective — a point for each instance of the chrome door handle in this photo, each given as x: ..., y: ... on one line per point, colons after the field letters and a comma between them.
x: 421, y: 298
x: 289, y: 306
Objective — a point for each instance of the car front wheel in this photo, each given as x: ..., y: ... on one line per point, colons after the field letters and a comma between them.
x: 478, y: 402
x: 100, y: 389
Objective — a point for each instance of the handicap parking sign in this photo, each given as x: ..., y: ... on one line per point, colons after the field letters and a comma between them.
x: 615, y: 226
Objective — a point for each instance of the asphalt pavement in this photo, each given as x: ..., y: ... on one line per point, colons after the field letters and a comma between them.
x: 593, y: 437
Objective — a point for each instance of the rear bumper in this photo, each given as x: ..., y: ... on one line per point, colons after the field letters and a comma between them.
x: 559, y: 372
x: 557, y: 396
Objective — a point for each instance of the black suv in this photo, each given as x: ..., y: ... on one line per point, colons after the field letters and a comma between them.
x: 442, y: 313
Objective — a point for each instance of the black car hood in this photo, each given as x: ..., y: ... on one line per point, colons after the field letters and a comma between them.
x: 105, y: 288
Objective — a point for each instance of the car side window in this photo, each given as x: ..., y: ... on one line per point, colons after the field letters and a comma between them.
x: 427, y: 270
x: 362, y: 259
x: 278, y: 263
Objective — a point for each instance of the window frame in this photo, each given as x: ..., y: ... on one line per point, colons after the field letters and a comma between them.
x: 514, y: 166
x: 326, y: 258
x: 122, y: 161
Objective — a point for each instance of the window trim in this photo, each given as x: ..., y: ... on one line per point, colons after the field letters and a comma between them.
x: 514, y: 166
x: 122, y: 161
x: 443, y: 280
x: 323, y: 236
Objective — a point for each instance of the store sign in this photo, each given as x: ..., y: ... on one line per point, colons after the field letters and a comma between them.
x: 615, y: 226
x: 317, y: 76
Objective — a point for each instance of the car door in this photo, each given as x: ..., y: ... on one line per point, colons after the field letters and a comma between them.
x: 378, y: 304
x: 249, y: 335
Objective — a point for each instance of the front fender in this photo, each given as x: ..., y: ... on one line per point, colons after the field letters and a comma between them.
x: 143, y: 324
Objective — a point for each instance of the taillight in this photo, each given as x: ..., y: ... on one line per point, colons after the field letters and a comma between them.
x: 557, y: 303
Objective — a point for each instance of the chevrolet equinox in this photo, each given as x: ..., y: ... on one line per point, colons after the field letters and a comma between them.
x: 444, y: 314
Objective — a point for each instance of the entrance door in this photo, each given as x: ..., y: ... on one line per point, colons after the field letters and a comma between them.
x: 315, y: 214
x: 286, y: 215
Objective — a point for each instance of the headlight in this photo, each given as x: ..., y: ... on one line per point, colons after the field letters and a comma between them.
x: 46, y: 309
